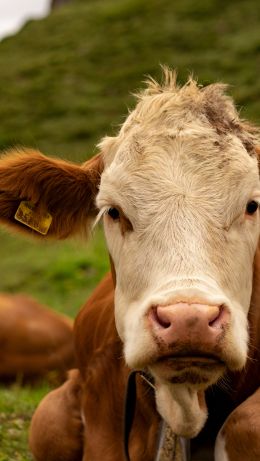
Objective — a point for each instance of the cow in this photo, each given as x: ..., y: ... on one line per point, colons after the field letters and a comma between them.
x: 34, y: 339
x: 178, y: 192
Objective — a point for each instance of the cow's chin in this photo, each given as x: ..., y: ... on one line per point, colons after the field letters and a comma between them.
x: 182, y: 407
x: 180, y: 383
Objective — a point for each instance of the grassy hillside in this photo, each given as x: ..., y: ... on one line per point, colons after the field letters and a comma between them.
x: 66, y: 81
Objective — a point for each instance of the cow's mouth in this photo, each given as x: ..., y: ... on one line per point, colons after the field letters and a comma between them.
x: 194, y: 368
x: 190, y: 360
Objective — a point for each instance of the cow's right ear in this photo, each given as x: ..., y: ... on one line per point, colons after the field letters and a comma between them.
x: 46, y: 196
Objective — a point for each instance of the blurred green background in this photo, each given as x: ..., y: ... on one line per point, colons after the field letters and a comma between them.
x: 65, y: 82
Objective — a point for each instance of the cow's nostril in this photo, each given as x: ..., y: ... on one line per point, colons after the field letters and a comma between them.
x: 217, y: 319
x: 160, y: 318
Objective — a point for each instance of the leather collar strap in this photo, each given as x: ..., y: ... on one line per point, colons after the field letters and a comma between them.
x: 130, y: 404
x: 170, y: 447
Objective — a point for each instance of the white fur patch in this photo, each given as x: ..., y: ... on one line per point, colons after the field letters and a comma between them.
x: 220, y: 449
x: 179, y: 406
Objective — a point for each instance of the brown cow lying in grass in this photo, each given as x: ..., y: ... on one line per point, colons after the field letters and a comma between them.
x: 34, y: 339
x: 178, y: 192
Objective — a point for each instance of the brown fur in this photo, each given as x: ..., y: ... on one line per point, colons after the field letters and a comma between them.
x: 67, y: 191
x: 100, y: 356
x: 58, y: 422
x: 241, y: 431
x: 103, y: 382
x: 246, y: 383
x: 33, y: 338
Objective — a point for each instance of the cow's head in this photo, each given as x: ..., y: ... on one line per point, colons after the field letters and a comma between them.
x: 179, y: 194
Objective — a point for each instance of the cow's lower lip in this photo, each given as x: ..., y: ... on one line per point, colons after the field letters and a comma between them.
x: 184, y: 361
x: 189, y: 369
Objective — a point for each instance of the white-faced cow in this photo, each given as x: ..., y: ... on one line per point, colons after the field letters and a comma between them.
x: 178, y: 192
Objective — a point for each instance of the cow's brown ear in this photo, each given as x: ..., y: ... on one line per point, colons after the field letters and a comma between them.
x: 45, y: 196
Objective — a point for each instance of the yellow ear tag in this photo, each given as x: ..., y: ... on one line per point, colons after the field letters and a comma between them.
x: 28, y: 215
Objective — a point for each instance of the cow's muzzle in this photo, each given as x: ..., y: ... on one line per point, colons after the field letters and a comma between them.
x: 190, y: 339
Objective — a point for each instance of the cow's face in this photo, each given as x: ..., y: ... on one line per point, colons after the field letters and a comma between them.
x: 180, y: 194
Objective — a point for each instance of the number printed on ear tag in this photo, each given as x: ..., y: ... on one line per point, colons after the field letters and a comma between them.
x: 28, y: 214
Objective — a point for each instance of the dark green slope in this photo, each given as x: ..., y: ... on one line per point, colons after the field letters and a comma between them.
x: 66, y: 80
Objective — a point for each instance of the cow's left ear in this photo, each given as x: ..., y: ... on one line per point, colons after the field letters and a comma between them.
x: 45, y: 196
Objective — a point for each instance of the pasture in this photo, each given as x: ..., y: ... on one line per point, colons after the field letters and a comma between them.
x: 61, y: 276
x: 63, y: 85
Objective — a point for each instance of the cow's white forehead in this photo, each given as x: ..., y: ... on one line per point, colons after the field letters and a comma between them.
x: 169, y: 111
x: 192, y: 167
x: 181, y: 139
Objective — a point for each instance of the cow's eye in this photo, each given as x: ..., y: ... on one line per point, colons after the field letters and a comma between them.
x: 252, y: 207
x: 114, y: 213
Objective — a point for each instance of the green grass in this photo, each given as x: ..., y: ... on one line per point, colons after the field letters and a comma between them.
x: 65, y: 81
x: 59, y: 274
x: 16, y: 408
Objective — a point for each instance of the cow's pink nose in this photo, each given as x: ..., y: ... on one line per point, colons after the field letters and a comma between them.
x: 188, y: 323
